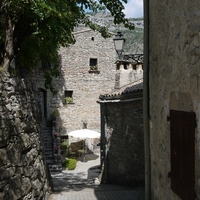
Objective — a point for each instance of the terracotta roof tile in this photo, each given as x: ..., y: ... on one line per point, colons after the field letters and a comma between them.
x: 134, y: 87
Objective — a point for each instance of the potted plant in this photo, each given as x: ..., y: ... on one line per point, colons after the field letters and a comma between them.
x: 68, y: 100
x: 94, y: 69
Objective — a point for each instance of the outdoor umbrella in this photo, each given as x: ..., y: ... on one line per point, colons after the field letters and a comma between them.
x: 84, y: 134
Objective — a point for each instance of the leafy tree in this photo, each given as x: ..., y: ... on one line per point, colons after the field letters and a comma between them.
x: 31, y: 30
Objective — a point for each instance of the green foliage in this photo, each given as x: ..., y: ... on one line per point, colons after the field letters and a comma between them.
x: 70, y: 164
x: 68, y: 100
x: 37, y: 28
x: 56, y: 113
x: 94, y: 67
x: 64, y: 147
x: 65, y: 163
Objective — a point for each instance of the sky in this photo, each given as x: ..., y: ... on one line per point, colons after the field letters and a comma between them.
x: 134, y: 9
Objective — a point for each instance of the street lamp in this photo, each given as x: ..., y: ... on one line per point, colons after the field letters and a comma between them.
x: 119, y: 41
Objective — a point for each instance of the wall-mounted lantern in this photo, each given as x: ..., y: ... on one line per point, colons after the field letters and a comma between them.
x: 119, y: 42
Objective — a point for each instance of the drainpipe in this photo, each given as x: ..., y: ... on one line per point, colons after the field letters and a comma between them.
x: 146, y: 103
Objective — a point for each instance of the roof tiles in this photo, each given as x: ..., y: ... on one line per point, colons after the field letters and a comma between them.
x: 134, y: 87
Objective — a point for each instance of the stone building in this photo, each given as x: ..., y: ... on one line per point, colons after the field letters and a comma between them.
x: 122, y: 138
x: 174, y: 49
x: 88, y: 70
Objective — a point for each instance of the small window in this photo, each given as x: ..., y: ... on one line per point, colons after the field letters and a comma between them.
x: 93, y: 64
x: 68, y: 96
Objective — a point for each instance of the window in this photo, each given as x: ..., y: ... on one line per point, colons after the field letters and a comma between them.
x: 68, y: 96
x: 93, y: 64
x: 182, y: 138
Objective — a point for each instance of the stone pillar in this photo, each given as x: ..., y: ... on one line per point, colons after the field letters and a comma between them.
x: 130, y: 66
x: 121, y: 66
x: 139, y: 68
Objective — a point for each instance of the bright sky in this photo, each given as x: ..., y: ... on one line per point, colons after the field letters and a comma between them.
x: 134, y: 9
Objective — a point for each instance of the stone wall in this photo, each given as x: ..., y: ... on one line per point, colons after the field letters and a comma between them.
x: 86, y: 85
x: 174, y: 84
x: 123, y: 142
x: 23, y: 173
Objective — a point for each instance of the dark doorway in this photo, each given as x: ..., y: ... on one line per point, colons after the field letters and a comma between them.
x: 43, y: 102
x: 182, y: 136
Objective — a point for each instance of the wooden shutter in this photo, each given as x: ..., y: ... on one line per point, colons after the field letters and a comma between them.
x: 182, y: 136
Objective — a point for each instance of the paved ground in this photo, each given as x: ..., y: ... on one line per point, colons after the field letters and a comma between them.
x: 79, y: 184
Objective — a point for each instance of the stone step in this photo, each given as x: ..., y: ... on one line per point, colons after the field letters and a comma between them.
x: 48, y: 147
x: 48, y: 144
x: 57, y: 169
x: 48, y: 141
x: 47, y: 130
x: 47, y: 154
x: 49, y: 162
x: 47, y: 138
x: 48, y: 135
x: 53, y: 161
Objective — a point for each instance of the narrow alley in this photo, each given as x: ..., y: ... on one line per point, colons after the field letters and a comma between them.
x: 82, y: 184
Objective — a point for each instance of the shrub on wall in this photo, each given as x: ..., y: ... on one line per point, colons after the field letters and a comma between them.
x: 64, y: 147
x: 70, y: 164
x: 55, y: 114
x: 68, y: 100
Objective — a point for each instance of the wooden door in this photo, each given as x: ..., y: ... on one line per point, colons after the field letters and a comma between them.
x: 182, y: 136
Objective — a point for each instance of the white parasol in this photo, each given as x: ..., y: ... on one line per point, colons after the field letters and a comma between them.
x: 84, y: 134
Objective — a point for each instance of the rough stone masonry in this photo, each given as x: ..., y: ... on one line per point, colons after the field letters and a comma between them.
x: 23, y: 173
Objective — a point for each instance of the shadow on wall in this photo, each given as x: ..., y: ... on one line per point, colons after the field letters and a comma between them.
x: 122, y: 145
